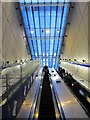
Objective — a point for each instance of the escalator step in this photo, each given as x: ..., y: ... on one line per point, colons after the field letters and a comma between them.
x: 46, y: 109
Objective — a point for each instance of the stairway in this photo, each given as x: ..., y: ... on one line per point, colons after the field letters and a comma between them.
x: 46, y: 109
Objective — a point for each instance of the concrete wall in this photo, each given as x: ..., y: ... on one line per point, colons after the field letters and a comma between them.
x: 76, y: 43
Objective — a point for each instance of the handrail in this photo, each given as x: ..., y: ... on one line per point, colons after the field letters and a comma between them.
x: 58, y: 103
x: 32, y: 111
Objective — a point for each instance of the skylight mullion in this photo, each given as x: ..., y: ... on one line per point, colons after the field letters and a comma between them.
x: 60, y: 28
x: 54, y: 33
x: 35, y: 31
x: 45, y: 31
x: 32, y: 9
x: 32, y: 30
x: 65, y: 30
x: 29, y: 27
x: 40, y: 30
x: 50, y: 33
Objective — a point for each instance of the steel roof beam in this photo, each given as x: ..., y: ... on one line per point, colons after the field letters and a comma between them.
x: 44, y: 4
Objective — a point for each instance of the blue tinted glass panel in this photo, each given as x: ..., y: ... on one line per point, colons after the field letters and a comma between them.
x: 59, y: 46
x: 55, y: 45
x: 21, y: 1
x: 66, y: 9
x: 34, y: 1
x: 39, y: 47
x: 62, y: 32
x: 64, y: 22
x: 27, y: 1
x: 48, y: 22
x: 28, y: 32
x: 35, y: 45
x: 52, y: 32
x: 31, y: 46
x: 53, y: 22
x: 58, y: 23
x: 43, y: 30
x: 26, y: 23
x: 23, y: 11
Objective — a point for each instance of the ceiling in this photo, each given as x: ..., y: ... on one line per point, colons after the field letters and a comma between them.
x: 45, y: 23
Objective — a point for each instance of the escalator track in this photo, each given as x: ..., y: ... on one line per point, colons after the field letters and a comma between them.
x: 46, y: 109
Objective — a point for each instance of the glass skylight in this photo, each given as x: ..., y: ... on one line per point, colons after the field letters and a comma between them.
x: 45, y: 22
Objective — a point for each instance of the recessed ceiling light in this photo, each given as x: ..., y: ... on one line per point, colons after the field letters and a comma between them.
x: 24, y: 37
x: 47, y: 31
x: 43, y: 54
x: 32, y: 31
x: 58, y: 31
x: 54, y: 59
x: 36, y: 54
x: 54, y: 54
x: 65, y: 35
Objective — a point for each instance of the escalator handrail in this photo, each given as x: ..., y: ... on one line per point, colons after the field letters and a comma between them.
x: 32, y: 111
x: 59, y: 105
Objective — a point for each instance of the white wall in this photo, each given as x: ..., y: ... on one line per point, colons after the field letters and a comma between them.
x: 13, y: 44
x: 76, y: 44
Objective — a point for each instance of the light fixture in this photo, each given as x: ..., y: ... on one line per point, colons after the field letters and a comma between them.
x: 54, y: 59
x: 47, y: 31
x: 54, y: 54
x: 72, y: 84
x: 21, y: 60
x: 42, y: 31
x: 65, y: 59
x: 75, y: 60
x: 47, y: 54
x: 20, y: 24
x: 24, y: 37
x: 58, y: 31
x: 36, y: 54
x: 83, y: 60
x: 68, y: 23
x: 17, y: 8
x: 7, y: 62
x: 65, y: 35
x: 43, y: 54
x: 72, y: 6
x: 32, y: 31
x: 16, y: 61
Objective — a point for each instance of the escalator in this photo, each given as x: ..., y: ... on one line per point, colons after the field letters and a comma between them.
x: 46, y: 109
